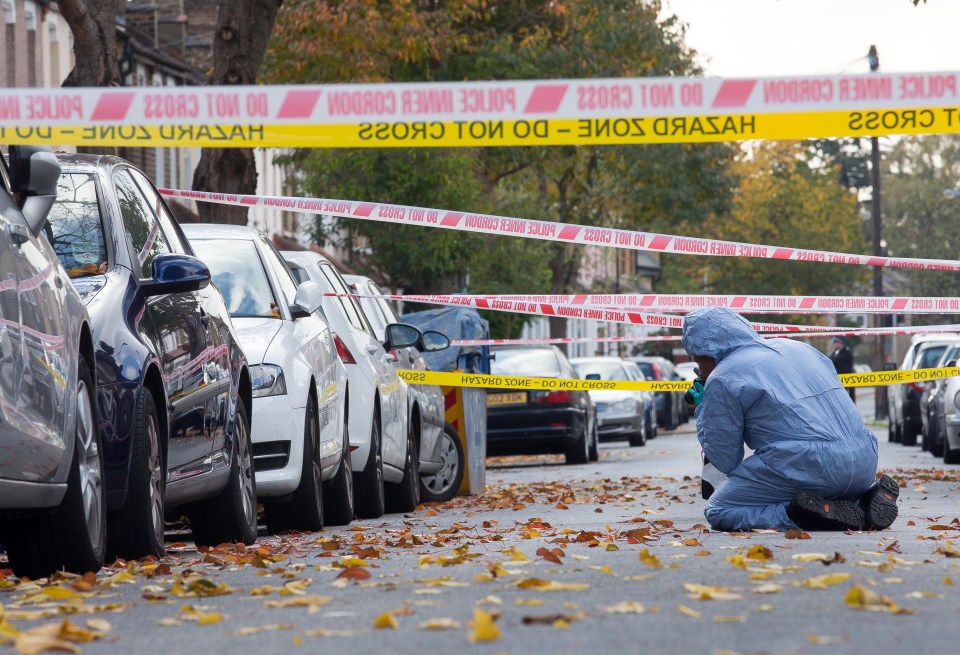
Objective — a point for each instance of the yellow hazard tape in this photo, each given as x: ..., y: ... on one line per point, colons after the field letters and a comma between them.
x: 879, y: 378
x: 473, y: 133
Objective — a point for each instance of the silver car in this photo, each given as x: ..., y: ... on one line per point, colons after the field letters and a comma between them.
x: 52, y: 498
x: 620, y: 413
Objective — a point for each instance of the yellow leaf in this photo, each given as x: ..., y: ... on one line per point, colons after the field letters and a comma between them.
x: 386, y: 620
x: 322, y: 632
x: 760, y: 553
x: 922, y: 594
x: 810, y: 557
x: 603, y: 569
x: 29, y: 643
x: 861, y: 598
x: 561, y: 624
x: 737, y: 561
x: 823, y: 581
x: 766, y: 607
x: 440, y: 623
x: 683, y: 609
x: 649, y: 559
x: 300, y: 601
x: 768, y: 588
x: 735, y: 618
x: 950, y: 550
x: 57, y: 593
x: 825, y: 640
x: 536, y: 584
x: 528, y: 601
x: 482, y: 627
x: 70, y: 631
x: 255, y: 630
x: 353, y: 561
x: 703, y: 592
x: 947, y: 580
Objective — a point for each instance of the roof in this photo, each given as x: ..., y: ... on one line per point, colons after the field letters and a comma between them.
x: 290, y: 245
x: 220, y: 231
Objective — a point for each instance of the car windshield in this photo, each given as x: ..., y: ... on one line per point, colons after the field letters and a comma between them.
x: 238, y: 272
x: 930, y: 356
x: 606, y: 370
x: 525, y: 361
x: 647, y: 368
x: 74, y: 228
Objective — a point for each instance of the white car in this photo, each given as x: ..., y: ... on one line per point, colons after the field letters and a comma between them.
x: 378, y: 420
x: 300, y: 387
x: 688, y: 370
x: 951, y: 421
x: 620, y: 413
x: 441, y: 453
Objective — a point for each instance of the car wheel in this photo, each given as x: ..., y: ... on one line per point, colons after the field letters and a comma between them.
x: 338, y: 493
x: 908, y: 435
x: 936, y: 444
x: 594, y: 454
x: 230, y: 516
x: 891, y: 431
x: 579, y: 451
x: 444, y: 484
x: 136, y: 529
x: 925, y: 436
x: 669, y: 423
x: 368, y: 484
x: 73, y: 536
x: 305, y: 510
x: 405, y: 495
x: 950, y: 455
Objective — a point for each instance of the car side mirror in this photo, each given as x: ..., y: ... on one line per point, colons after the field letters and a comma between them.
x: 432, y: 341
x: 592, y: 376
x: 307, y: 300
x: 34, y: 173
x: 175, y: 273
x: 952, y: 363
x: 401, y: 335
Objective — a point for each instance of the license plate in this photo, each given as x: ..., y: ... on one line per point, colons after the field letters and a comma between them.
x: 515, y: 398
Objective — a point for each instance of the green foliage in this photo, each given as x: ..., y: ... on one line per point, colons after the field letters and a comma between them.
x: 918, y: 219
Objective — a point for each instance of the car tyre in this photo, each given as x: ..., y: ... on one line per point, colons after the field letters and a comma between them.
x: 230, y: 516
x: 368, y: 484
x: 594, y: 453
x: 444, y: 484
x: 338, y: 492
x: 908, y: 437
x: 579, y: 451
x: 950, y: 455
x: 669, y: 423
x: 72, y: 536
x: 891, y: 431
x: 305, y: 510
x: 935, y: 446
x: 136, y: 529
x: 406, y: 493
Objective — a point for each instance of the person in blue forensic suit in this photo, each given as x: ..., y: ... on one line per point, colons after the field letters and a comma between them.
x: 814, y: 462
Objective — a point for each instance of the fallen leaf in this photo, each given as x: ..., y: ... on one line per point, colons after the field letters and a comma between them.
x: 949, y: 550
x: 703, y: 592
x: 796, y: 534
x: 629, y: 607
x: 255, y: 630
x: 386, y: 620
x: 528, y: 601
x: 300, y: 601
x: 33, y: 644
x: 823, y: 581
x: 861, y: 598
x: 683, y: 609
x: 649, y: 559
x: 536, y: 584
x: 552, y: 619
x: 768, y: 588
x: 825, y: 640
x: 354, y: 573
x: 439, y: 623
x: 922, y: 594
x: 482, y: 627
x: 759, y: 553
x: 735, y: 618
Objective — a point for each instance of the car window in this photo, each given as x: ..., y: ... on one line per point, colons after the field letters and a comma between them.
x: 298, y: 272
x: 525, y: 361
x: 606, y: 370
x: 647, y: 368
x: 948, y: 354
x: 239, y: 275
x: 930, y: 356
x: 167, y: 222
x: 385, y: 307
x: 350, y: 308
x: 74, y: 227
x: 372, y: 309
x: 140, y: 223
x: 288, y: 283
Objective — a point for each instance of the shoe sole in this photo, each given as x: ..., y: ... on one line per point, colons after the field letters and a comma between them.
x: 880, y: 503
x: 812, y: 512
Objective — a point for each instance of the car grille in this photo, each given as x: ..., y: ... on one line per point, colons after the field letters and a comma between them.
x: 271, y: 455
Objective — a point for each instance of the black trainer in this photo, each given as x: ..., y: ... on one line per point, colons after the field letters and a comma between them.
x: 811, y: 511
x: 879, y: 504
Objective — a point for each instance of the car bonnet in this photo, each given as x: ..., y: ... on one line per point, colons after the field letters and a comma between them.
x: 255, y: 335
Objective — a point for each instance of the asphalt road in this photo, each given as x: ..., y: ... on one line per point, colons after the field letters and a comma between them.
x: 630, y: 535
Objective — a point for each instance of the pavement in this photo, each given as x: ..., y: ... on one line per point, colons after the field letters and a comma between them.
x: 608, y: 557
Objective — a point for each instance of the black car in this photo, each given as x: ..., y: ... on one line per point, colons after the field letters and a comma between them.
x: 173, y: 388
x: 538, y: 422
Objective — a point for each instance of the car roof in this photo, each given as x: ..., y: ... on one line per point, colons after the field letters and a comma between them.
x: 220, y: 231
x: 598, y: 358
x: 75, y: 160
x: 303, y: 256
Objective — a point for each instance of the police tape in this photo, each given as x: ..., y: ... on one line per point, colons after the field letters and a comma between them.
x: 568, y: 311
x: 761, y: 304
x: 518, y: 383
x: 497, y: 113
x: 550, y: 231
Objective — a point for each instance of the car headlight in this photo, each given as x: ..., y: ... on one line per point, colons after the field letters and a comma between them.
x: 625, y: 405
x: 267, y: 380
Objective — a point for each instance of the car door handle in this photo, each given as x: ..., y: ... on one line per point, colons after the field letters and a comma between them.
x: 372, y: 348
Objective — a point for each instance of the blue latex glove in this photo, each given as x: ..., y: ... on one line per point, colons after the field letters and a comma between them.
x: 694, y: 395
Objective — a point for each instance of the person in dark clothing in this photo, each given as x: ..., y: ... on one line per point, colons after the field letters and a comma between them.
x: 842, y: 358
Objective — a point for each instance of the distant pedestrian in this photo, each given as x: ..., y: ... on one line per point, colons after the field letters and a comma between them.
x: 842, y: 358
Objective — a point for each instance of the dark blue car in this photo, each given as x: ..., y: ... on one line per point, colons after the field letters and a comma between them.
x: 173, y: 387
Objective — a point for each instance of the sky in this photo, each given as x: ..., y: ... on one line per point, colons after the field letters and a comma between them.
x: 764, y: 38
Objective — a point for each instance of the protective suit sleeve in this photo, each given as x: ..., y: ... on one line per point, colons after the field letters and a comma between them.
x: 720, y: 427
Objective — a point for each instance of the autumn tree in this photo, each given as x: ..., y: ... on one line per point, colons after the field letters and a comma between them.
x: 240, y: 42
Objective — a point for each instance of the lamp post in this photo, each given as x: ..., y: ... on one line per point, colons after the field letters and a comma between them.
x: 879, y: 355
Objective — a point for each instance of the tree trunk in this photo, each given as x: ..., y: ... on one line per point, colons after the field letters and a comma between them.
x: 93, y: 24
x: 243, y: 30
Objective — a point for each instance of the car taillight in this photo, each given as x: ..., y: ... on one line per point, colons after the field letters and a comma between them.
x: 345, y: 355
x: 553, y: 397
x: 917, y: 387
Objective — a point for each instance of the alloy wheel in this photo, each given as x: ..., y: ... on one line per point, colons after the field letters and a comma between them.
x: 91, y: 475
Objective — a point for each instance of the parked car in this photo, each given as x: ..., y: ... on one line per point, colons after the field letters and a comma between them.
x: 670, y: 412
x: 538, y: 422
x: 301, y: 448
x: 949, y: 422
x: 931, y: 438
x: 903, y: 400
x: 620, y: 413
x: 649, y: 400
x: 688, y: 371
x: 53, y: 509
x: 441, y: 453
x: 173, y: 389
x: 372, y: 376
